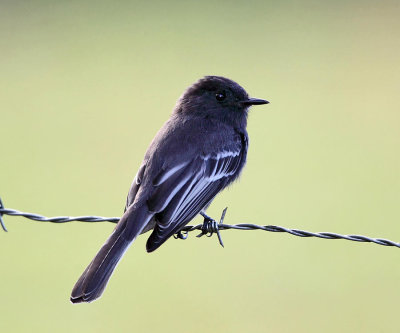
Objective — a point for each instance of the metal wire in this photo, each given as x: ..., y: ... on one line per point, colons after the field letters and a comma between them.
x: 207, y: 228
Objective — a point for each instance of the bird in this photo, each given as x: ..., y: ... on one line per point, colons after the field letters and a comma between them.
x: 199, y: 151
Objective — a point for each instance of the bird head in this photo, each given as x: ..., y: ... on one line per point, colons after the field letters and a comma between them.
x: 217, y: 97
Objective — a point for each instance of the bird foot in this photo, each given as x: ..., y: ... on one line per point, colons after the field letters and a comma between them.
x: 181, y: 235
x: 210, y: 226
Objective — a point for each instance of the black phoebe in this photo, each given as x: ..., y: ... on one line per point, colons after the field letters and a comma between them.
x: 198, y: 152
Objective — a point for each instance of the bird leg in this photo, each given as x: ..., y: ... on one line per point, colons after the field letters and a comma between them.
x: 210, y: 226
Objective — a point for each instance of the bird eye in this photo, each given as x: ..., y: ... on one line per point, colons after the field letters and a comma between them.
x: 220, y: 96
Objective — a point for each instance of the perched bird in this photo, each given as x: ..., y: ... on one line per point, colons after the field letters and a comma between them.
x: 198, y: 152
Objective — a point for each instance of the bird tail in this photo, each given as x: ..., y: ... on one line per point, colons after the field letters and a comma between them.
x: 94, y: 279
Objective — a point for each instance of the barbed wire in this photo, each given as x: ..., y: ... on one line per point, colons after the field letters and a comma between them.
x: 207, y: 228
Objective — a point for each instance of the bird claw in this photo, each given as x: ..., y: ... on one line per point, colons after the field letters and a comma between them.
x: 210, y: 226
x: 181, y: 235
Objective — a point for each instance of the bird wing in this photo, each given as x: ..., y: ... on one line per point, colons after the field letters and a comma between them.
x: 135, y: 186
x: 183, y: 191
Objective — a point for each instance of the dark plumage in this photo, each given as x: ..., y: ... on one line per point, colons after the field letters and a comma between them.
x: 199, y: 151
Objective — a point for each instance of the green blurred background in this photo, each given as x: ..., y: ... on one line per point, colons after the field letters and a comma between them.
x: 84, y: 86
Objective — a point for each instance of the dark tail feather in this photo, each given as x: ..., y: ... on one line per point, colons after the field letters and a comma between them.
x: 94, y: 279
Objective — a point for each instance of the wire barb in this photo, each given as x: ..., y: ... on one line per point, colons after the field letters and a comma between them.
x: 1, y: 216
x: 209, y: 230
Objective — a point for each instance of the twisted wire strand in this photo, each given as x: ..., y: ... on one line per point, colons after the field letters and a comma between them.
x: 215, y: 228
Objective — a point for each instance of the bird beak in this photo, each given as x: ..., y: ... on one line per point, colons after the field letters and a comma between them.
x: 254, y: 101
